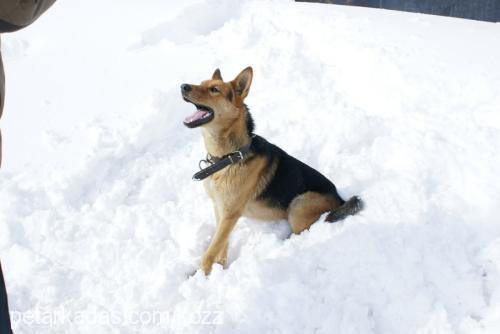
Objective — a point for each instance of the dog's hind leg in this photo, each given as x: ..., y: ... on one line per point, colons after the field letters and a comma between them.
x: 306, y: 208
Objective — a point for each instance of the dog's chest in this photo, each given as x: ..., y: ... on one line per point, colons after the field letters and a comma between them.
x: 237, y: 184
x: 224, y: 182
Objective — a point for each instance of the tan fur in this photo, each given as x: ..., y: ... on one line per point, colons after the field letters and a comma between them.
x: 234, y: 189
x: 262, y: 211
x: 306, y: 208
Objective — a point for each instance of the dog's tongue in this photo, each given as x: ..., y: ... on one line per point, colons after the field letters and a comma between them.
x: 196, y: 116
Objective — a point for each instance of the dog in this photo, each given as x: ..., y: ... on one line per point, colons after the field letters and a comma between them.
x: 248, y: 176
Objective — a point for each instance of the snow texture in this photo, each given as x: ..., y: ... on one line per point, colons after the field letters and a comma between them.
x: 100, y: 223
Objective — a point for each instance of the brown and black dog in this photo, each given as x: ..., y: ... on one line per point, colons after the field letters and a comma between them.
x: 267, y: 183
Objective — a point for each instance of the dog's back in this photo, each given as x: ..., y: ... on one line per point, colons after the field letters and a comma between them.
x: 289, y: 177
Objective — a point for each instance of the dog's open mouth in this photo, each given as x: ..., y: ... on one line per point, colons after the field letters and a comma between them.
x: 201, y: 116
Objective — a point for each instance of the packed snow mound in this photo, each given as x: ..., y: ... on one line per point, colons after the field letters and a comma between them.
x: 100, y: 223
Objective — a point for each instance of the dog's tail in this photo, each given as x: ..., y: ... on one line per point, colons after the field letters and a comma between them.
x: 349, y: 208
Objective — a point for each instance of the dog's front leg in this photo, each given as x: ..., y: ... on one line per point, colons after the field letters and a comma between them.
x: 221, y: 258
x: 219, y: 242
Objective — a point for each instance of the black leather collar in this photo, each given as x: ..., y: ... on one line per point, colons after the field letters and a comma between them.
x: 218, y: 163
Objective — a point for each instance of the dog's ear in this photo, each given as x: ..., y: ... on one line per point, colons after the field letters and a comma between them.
x: 243, y: 81
x: 217, y: 75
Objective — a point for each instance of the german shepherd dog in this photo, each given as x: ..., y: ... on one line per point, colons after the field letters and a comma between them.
x: 265, y: 182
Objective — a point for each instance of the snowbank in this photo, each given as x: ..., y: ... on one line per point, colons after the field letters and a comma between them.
x: 100, y: 223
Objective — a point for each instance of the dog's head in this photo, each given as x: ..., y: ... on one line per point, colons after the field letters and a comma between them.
x: 218, y: 103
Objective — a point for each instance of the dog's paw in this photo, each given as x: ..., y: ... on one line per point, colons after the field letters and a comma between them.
x: 222, y: 261
x: 206, y: 264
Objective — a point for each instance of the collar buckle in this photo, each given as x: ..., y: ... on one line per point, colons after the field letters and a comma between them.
x: 237, y: 156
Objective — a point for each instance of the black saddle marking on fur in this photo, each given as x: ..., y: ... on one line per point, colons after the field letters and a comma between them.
x: 291, y: 178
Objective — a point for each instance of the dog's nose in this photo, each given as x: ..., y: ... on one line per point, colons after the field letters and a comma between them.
x: 185, y: 88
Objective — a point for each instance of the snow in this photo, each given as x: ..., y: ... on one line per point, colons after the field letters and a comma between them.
x: 101, y: 225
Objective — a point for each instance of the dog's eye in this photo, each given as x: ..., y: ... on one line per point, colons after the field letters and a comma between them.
x: 214, y: 90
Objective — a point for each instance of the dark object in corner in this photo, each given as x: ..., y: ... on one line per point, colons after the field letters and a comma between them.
x: 482, y: 10
x: 4, y: 309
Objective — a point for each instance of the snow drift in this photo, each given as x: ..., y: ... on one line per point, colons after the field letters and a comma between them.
x: 100, y: 222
